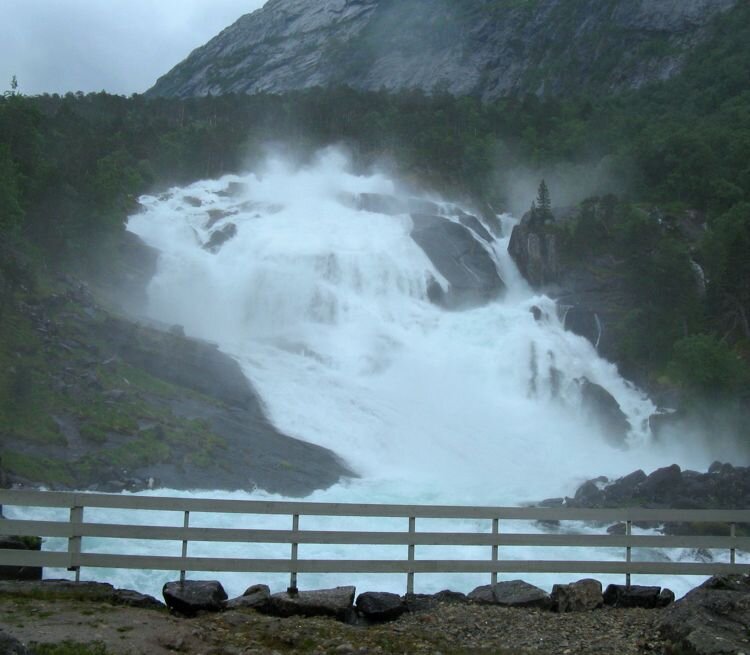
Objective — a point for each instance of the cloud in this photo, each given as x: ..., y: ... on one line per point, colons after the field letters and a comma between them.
x: 121, y: 46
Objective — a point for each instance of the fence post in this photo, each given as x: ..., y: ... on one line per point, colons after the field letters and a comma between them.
x: 185, y: 524
x: 732, y: 534
x: 292, y: 590
x: 495, y: 532
x: 628, y: 551
x: 410, y: 574
x: 74, y: 541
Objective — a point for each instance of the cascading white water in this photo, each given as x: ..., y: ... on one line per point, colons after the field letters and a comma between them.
x: 325, y: 307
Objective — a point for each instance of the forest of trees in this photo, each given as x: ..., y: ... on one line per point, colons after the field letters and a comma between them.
x: 72, y: 167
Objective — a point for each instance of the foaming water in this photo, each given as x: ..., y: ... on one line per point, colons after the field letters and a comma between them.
x: 325, y: 307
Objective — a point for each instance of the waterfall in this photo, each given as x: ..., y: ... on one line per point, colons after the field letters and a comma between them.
x: 325, y: 305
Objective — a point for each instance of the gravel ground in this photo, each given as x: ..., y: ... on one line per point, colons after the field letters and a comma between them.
x: 444, y: 628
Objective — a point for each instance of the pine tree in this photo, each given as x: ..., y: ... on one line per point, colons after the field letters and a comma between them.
x: 543, y: 203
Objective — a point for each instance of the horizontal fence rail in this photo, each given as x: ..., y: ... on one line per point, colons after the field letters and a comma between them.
x: 75, y: 529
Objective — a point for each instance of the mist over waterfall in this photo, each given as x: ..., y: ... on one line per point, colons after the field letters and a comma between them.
x: 326, y: 307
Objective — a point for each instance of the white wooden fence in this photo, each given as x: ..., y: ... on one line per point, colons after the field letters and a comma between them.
x: 76, y: 528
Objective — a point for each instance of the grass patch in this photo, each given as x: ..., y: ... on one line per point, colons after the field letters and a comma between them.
x: 36, y: 468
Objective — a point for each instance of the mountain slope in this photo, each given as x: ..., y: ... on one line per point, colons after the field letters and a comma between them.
x: 489, y: 48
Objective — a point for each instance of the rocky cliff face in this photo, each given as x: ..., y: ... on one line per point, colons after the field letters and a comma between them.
x: 489, y: 48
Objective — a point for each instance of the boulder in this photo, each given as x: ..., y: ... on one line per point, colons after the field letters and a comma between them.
x: 711, y: 619
x: 219, y: 237
x: 193, y: 596
x: 460, y: 258
x: 427, y: 602
x: 512, y: 593
x: 581, y: 596
x: 661, y: 483
x: 636, y: 596
x: 589, y: 495
x: 380, y: 606
x: 11, y: 646
x: 603, y: 409
x: 131, y: 598
x: 337, y: 602
x: 20, y: 572
x: 253, y: 597
x: 623, y: 489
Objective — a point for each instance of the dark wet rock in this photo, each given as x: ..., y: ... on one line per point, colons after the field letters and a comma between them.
x: 617, y: 528
x: 9, y: 645
x: 600, y: 406
x: 666, y: 597
x: 635, y: 596
x: 193, y: 596
x: 257, y: 453
x: 195, y: 364
x: 581, y: 596
x: 337, y: 602
x: 484, y: 594
x: 219, y: 237
x: 448, y: 596
x: 253, y: 597
x: 216, y: 215
x: 589, y: 495
x: 534, y: 250
x: 583, y: 322
x: 625, y: 487
x: 380, y: 203
x: 552, y: 502
x: 460, y: 258
x: 472, y: 222
x: 131, y: 598
x: 712, y: 619
x: 380, y: 606
x: 512, y: 593
x: 20, y: 572
x: 193, y: 201
x: 661, y: 483
x: 536, y: 313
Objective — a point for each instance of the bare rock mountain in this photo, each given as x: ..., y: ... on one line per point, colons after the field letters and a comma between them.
x: 489, y: 48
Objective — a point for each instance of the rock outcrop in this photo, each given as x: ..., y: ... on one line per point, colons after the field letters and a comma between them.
x: 601, y: 407
x: 723, y: 486
x: 484, y: 48
x: 460, y: 258
x: 711, y: 619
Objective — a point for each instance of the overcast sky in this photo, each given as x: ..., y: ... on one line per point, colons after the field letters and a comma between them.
x: 119, y: 46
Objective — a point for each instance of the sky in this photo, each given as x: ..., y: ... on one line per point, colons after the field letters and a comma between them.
x: 118, y: 46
